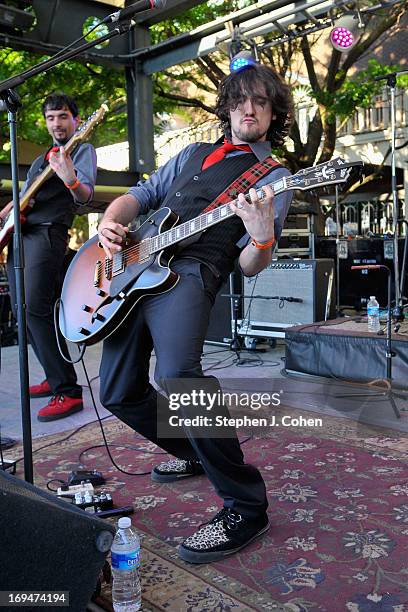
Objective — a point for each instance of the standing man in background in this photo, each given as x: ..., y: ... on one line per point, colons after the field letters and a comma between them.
x: 45, y: 242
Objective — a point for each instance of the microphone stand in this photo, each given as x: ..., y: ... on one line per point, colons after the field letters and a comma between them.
x: 338, y: 313
x: 391, y: 79
x: 388, y: 348
x: 235, y: 345
x: 13, y: 103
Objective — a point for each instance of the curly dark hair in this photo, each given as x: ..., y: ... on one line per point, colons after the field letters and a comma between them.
x: 246, y: 83
x: 58, y: 101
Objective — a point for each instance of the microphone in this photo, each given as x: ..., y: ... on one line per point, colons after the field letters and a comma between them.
x: 137, y: 7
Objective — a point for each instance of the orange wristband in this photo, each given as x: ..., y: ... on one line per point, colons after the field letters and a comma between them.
x: 262, y: 245
x: 73, y: 185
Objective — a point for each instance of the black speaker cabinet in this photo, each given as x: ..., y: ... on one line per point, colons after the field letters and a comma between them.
x: 356, y: 286
x: 289, y: 292
x: 49, y: 545
x: 220, y: 328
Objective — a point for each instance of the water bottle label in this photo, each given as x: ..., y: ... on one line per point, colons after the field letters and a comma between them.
x: 125, y: 561
x: 373, y: 311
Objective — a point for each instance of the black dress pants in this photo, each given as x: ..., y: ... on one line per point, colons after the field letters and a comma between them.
x: 44, y: 252
x: 175, y: 324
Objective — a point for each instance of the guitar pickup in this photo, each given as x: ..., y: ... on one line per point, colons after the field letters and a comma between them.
x: 118, y: 263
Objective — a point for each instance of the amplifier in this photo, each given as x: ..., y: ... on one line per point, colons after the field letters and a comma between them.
x: 294, y: 241
x: 290, y: 292
x: 298, y: 222
x: 225, y: 309
x: 356, y: 286
x: 8, y: 325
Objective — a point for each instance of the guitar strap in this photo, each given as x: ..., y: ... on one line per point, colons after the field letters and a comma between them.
x: 244, y: 182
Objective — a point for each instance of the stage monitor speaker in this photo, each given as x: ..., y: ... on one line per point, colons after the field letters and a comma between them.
x: 290, y: 291
x: 222, y: 314
x: 47, y: 544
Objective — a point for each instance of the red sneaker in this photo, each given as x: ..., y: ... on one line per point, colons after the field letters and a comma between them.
x: 41, y: 390
x: 59, y: 407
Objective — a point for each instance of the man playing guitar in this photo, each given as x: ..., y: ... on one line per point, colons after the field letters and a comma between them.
x: 255, y: 110
x: 45, y: 240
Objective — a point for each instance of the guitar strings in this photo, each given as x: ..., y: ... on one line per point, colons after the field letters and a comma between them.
x: 132, y: 253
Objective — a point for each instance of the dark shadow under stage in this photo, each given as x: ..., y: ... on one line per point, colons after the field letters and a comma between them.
x: 344, y: 349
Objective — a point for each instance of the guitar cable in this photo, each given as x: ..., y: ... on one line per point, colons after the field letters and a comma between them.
x: 88, y: 380
x: 80, y: 359
x: 57, y: 335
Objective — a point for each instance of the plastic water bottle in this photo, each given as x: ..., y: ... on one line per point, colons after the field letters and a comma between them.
x: 373, y: 315
x: 125, y: 553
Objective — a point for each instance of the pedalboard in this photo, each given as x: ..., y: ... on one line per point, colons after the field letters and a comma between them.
x: 93, y: 503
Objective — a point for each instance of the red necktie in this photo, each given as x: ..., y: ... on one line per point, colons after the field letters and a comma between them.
x: 52, y: 150
x: 221, y: 152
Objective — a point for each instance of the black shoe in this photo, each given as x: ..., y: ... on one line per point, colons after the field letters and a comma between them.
x: 174, y: 469
x: 224, y: 535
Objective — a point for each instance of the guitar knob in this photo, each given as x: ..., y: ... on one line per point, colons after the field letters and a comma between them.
x: 100, y: 292
x: 86, y: 308
x: 83, y: 331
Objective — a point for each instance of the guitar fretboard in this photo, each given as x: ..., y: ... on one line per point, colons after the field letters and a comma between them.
x: 205, y: 220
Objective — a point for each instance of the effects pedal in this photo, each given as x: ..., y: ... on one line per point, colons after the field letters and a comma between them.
x: 8, y: 466
x: 93, y: 476
x: 70, y: 490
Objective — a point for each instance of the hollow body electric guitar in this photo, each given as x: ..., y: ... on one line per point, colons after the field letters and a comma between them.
x: 98, y: 292
x: 26, y: 201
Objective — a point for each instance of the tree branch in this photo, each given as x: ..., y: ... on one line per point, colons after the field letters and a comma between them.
x: 329, y: 141
x: 314, y: 137
x: 211, y: 69
x: 183, y: 100
x: 295, y: 136
x: 332, y: 71
x: 314, y: 83
x: 190, y: 77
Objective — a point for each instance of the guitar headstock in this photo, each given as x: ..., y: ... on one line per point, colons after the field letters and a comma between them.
x: 335, y: 171
x: 86, y: 128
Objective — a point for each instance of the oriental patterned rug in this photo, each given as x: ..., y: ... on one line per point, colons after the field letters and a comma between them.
x: 338, y: 509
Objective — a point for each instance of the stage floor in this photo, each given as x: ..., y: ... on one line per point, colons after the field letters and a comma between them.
x: 259, y: 370
x: 343, y: 348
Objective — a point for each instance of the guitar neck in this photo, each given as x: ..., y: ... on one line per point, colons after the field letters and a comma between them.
x: 208, y: 219
x: 40, y: 180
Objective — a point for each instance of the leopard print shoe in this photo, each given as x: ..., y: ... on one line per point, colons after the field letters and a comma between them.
x: 174, y: 469
x: 224, y: 535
